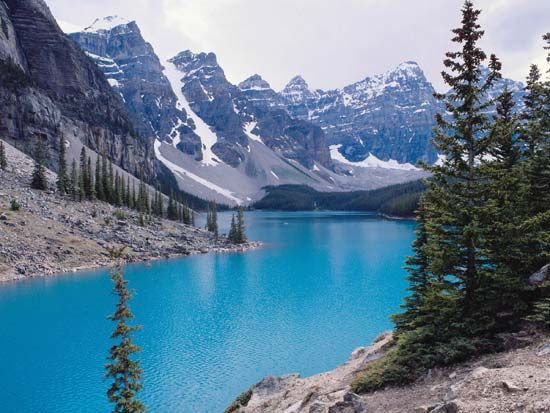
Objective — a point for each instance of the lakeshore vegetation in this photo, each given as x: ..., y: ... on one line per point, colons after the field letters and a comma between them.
x: 483, y: 222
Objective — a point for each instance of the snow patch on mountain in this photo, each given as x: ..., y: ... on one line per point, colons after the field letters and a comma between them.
x: 370, y: 161
x: 106, y: 23
x: 208, y: 138
x: 182, y: 173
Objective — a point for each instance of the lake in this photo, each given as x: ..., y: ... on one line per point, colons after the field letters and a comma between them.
x: 323, y: 284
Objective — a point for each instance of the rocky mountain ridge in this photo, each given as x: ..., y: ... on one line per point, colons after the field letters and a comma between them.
x: 48, y: 87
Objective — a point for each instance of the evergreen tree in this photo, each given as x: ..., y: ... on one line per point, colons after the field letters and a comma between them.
x: 419, y: 277
x: 62, y: 177
x: 160, y: 204
x: 3, y: 158
x: 83, y: 175
x: 241, y: 231
x: 232, y: 235
x: 447, y: 317
x: 172, y: 211
x: 111, y: 184
x: 501, y: 216
x: 128, y: 195
x: 212, y: 218
x: 133, y: 200
x: 90, y: 176
x: 105, y: 179
x: 74, y: 182
x: 39, y: 180
x: 99, y: 180
x: 81, y: 184
x: 125, y: 372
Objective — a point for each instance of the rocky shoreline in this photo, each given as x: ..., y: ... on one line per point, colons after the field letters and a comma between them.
x: 516, y: 380
x: 51, y: 235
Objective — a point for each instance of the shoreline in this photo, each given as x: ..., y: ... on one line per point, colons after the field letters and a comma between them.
x: 108, y: 263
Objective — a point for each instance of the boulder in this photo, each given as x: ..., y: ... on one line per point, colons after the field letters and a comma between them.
x: 541, y: 276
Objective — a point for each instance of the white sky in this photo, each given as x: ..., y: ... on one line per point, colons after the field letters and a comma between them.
x: 331, y: 43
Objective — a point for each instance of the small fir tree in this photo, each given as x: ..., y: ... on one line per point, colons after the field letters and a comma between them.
x: 3, y: 157
x: 62, y: 176
x: 125, y: 372
x: 39, y: 180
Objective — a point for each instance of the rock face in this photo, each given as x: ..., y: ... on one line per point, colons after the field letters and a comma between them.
x: 228, y: 109
x: 390, y: 116
x: 49, y: 86
x: 133, y: 70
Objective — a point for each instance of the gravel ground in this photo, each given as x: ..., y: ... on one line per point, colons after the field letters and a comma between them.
x: 51, y: 234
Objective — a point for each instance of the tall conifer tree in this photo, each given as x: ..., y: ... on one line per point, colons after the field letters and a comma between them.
x: 62, y: 177
x: 122, y: 368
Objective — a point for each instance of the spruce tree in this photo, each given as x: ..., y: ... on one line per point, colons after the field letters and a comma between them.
x: 212, y: 218
x: 62, y: 177
x: 3, y: 158
x: 172, y: 211
x: 125, y: 372
x: 90, y: 176
x: 74, y: 182
x: 128, y: 195
x: 98, y: 183
x: 83, y: 173
x: 160, y: 204
x: 232, y: 235
x: 105, y: 179
x: 111, y: 184
x: 241, y: 231
x: 39, y: 180
x: 447, y: 318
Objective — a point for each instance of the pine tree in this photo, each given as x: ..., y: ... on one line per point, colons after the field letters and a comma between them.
x: 501, y: 216
x: 125, y: 372
x: 83, y: 174
x: 111, y: 184
x: 419, y: 277
x: 98, y: 182
x: 241, y: 231
x: 74, y: 182
x: 232, y: 235
x: 160, y: 204
x: 90, y: 177
x: 446, y: 317
x: 128, y: 195
x: 3, y: 158
x: 105, y: 179
x: 39, y: 180
x: 172, y: 212
x: 133, y: 200
x: 212, y: 218
x: 62, y: 178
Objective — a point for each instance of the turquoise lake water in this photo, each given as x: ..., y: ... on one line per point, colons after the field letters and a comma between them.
x: 323, y: 284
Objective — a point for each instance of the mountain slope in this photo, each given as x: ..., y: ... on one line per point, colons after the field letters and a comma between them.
x: 48, y: 87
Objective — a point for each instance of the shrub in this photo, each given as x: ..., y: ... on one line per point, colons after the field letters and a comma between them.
x: 241, y: 401
x: 120, y: 214
x: 14, y: 205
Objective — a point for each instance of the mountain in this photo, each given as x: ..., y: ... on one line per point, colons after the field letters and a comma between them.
x: 388, y: 116
x: 226, y: 142
x: 48, y: 86
x: 218, y: 140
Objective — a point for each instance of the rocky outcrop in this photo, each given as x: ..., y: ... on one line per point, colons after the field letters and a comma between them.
x: 53, y: 88
x: 541, y: 276
x: 509, y: 382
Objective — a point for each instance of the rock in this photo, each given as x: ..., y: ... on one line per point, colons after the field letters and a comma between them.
x: 540, y: 276
x: 3, y: 217
x: 544, y: 350
x: 447, y: 407
x: 352, y: 403
x: 509, y: 387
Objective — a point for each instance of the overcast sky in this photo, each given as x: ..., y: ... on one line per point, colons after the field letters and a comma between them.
x: 331, y: 43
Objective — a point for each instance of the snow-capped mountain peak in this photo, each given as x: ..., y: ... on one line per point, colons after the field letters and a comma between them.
x: 106, y: 23
x: 254, y: 82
